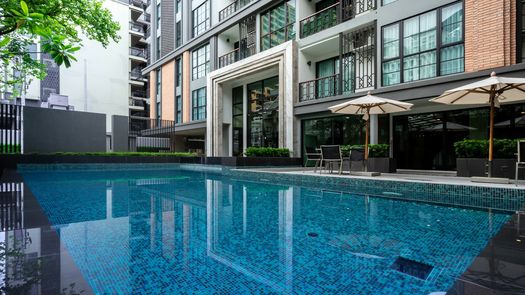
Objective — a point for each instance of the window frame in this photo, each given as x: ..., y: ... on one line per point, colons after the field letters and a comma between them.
x: 195, y: 31
x: 178, y: 109
x: 286, y: 27
x: 195, y: 65
x: 195, y: 108
x: 158, y: 94
x: 439, y: 46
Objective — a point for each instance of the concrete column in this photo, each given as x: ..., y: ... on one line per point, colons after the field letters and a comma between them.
x: 186, y: 80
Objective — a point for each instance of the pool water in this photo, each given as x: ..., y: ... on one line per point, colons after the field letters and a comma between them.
x: 169, y: 230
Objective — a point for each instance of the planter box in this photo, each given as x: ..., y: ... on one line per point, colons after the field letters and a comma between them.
x: 504, y: 168
x: 266, y: 161
x: 383, y: 165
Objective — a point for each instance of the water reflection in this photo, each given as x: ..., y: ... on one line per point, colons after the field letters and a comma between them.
x: 161, y: 231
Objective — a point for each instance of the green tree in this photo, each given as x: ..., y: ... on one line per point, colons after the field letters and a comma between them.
x: 56, y: 25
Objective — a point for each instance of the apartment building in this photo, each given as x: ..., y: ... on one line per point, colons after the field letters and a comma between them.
x: 235, y: 74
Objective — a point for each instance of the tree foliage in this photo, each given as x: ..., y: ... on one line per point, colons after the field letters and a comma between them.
x: 56, y: 25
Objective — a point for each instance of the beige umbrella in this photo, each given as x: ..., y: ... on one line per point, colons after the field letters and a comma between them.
x: 493, y: 91
x: 370, y: 105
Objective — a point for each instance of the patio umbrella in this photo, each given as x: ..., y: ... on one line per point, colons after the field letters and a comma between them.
x: 370, y: 105
x: 493, y: 91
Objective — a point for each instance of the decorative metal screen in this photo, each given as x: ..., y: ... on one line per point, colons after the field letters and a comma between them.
x: 247, y: 37
x: 358, y: 59
x: 51, y: 83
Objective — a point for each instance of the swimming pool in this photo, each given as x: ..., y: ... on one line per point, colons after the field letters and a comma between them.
x: 165, y: 229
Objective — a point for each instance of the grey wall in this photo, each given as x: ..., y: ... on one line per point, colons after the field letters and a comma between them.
x: 120, y: 133
x: 51, y: 131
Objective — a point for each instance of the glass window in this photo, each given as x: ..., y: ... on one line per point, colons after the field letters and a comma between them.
x: 419, y: 42
x: 201, y: 19
x: 178, y: 6
x: 198, y: 104
x: 178, y: 34
x: 263, y: 107
x: 452, y: 24
x: 158, y: 15
x: 158, y: 47
x: 237, y: 120
x: 178, y: 113
x: 178, y: 72
x: 158, y: 92
x: 200, y: 62
x: 277, y: 25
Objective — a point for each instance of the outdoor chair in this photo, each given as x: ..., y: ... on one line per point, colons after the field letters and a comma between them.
x: 520, y: 163
x: 312, y: 155
x: 357, y: 155
x: 331, y: 154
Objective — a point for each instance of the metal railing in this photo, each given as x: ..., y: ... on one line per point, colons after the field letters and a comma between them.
x: 320, y: 21
x: 133, y: 102
x: 136, y: 75
x: 139, y: 93
x: 229, y: 58
x: 138, y: 3
x: 139, y: 52
x: 10, y: 129
x: 333, y: 15
x: 135, y: 27
x: 150, y: 135
x: 11, y: 206
x: 232, y: 8
x: 319, y: 88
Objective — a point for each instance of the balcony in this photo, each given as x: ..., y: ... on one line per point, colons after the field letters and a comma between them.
x: 138, y: 52
x: 136, y: 75
x: 333, y: 15
x: 319, y: 88
x: 142, y: 94
x: 235, y: 55
x: 137, y: 3
x: 144, y: 18
x: 135, y: 27
x: 232, y: 8
x: 140, y: 103
x: 356, y: 68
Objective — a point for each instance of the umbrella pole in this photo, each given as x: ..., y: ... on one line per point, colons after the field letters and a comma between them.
x: 491, y: 131
x: 367, y: 135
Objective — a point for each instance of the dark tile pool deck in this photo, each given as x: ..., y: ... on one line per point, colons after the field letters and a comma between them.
x: 499, y: 268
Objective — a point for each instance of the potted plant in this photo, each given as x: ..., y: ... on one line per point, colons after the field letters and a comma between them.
x: 472, y: 154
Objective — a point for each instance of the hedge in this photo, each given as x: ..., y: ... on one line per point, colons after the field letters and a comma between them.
x: 125, y: 154
x: 10, y: 148
x: 478, y: 148
x: 267, y: 152
x: 374, y: 150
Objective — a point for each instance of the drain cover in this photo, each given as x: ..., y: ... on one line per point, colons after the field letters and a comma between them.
x: 313, y: 235
x: 413, y: 268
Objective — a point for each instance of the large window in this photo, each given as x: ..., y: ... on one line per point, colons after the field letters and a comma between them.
x: 263, y: 110
x: 277, y: 25
x: 178, y: 6
x: 158, y: 94
x: 200, y: 60
x: 237, y: 121
x: 178, y: 109
x: 424, y: 46
x: 198, y: 104
x: 201, y: 19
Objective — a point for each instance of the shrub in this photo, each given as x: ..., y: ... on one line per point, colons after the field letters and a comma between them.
x: 479, y: 148
x: 10, y: 148
x: 126, y: 154
x: 374, y: 150
x: 267, y: 152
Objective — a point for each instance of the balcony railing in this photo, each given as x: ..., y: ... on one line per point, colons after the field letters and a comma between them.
x: 133, y: 102
x: 137, y: 3
x: 139, y: 94
x: 319, y: 88
x: 139, y: 52
x: 333, y: 15
x: 136, y: 27
x: 136, y: 76
x: 235, y: 55
x: 232, y: 8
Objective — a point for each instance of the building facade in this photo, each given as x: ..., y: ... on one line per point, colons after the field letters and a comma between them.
x: 235, y: 74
